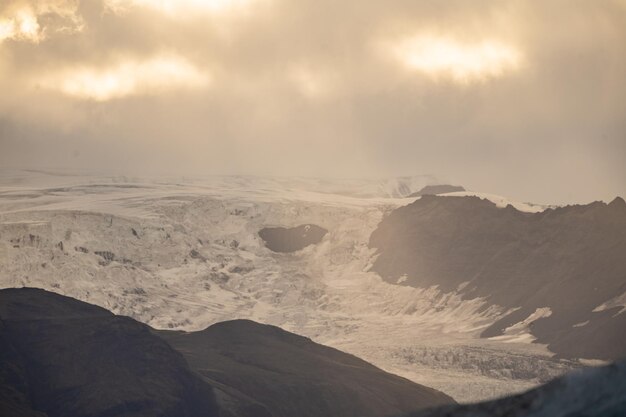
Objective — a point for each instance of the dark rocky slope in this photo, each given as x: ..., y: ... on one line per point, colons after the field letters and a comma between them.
x: 570, y: 259
x: 595, y: 392
x: 63, y: 357
x: 282, y: 239
x: 437, y: 189
x: 293, y: 376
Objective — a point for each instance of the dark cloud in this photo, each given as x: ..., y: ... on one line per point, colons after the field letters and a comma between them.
x: 307, y: 88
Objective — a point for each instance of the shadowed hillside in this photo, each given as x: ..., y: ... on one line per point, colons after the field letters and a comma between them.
x: 565, y: 266
x: 63, y: 357
x: 292, y: 375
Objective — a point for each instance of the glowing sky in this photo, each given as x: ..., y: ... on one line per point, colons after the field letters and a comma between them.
x: 181, y: 7
x: 521, y: 98
x: 126, y: 78
x: 463, y: 62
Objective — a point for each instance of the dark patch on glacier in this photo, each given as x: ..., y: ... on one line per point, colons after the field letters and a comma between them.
x: 286, y: 240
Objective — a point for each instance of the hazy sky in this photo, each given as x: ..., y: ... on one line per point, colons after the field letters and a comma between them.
x: 521, y: 98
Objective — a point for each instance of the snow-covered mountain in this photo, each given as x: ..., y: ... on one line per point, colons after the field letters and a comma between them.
x: 184, y: 253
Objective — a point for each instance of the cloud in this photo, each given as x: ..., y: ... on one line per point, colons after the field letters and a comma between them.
x: 313, y: 83
x: 34, y: 21
x: 491, y: 94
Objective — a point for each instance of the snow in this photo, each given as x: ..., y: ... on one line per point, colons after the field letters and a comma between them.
x: 619, y: 301
x: 184, y: 254
x: 520, y: 332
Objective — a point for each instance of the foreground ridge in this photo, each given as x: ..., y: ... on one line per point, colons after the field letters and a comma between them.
x: 61, y: 357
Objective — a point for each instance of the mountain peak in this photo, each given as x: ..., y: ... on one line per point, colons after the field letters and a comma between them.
x: 618, y: 202
x: 437, y: 189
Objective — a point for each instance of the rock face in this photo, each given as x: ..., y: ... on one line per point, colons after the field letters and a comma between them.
x: 599, y: 392
x: 63, y: 357
x: 563, y: 270
x: 437, y: 189
x: 281, y: 239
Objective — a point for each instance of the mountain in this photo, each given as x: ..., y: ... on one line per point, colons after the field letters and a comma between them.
x: 559, y: 274
x: 437, y: 189
x: 63, y: 357
x: 591, y: 392
x: 293, y: 376
x: 60, y: 357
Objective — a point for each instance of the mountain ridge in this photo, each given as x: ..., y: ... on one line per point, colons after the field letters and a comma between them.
x: 60, y: 356
x: 521, y: 261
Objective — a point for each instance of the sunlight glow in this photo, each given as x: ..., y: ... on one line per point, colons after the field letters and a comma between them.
x: 129, y: 78
x: 181, y: 7
x: 461, y: 62
x: 7, y: 29
x: 22, y: 25
x: 35, y: 21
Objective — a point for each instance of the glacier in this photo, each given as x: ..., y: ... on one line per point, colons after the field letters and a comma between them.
x: 184, y: 253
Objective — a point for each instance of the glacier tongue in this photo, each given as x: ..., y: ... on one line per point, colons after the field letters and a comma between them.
x: 185, y: 254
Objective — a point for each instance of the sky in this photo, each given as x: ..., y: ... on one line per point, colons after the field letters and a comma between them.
x: 520, y: 98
